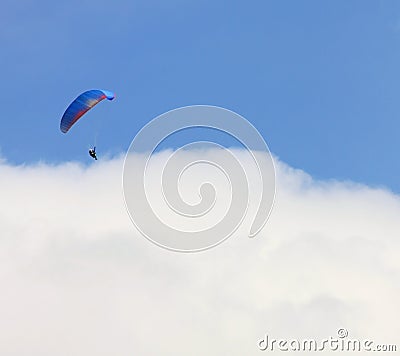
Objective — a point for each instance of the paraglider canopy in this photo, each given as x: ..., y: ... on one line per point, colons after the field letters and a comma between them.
x: 83, y: 103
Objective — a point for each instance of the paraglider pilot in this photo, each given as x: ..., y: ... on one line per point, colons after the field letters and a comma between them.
x: 92, y: 153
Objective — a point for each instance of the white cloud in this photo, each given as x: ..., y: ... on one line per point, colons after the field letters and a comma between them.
x: 77, y: 279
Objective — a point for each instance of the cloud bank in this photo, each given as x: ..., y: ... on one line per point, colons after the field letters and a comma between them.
x: 78, y: 279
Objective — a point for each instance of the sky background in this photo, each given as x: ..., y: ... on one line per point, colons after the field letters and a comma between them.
x: 320, y: 80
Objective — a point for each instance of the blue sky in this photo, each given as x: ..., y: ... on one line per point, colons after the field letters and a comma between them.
x: 320, y: 80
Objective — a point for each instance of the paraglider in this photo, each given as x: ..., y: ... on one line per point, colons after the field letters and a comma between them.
x: 82, y: 104
x: 92, y: 153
